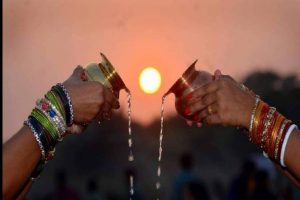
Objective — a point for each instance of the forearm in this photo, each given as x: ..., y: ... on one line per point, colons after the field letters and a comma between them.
x: 25, y: 190
x: 20, y: 156
x: 292, y: 154
x: 289, y: 175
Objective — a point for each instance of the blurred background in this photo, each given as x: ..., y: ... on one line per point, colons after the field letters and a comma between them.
x: 256, y: 42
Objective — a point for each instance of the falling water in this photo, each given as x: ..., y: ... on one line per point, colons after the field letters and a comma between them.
x: 158, y: 185
x: 130, y: 156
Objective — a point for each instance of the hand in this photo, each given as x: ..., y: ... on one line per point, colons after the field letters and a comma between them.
x: 216, y: 76
x: 222, y: 101
x: 89, y: 98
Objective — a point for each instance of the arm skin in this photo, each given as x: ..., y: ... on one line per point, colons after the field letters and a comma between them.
x: 225, y: 97
x: 292, y: 156
x: 21, y: 153
x: 25, y: 190
x: 20, y: 156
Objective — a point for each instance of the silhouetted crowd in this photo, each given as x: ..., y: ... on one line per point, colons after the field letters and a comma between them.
x: 250, y: 183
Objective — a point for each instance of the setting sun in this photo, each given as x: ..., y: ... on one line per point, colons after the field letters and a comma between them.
x: 150, y: 80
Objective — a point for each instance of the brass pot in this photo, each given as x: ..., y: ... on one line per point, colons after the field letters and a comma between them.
x: 106, y: 74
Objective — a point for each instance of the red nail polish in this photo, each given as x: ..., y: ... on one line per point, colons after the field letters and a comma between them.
x: 187, y: 111
x: 199, y: 124
x: 189, y: 96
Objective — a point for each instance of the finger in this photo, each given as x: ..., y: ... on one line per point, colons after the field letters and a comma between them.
x: 205, y: 112
x: 116, y: 105
x: 203, y: 90
x: 213, y: 119
x: 189, y: 123
x: 217, y: 74
x: 103, y: 116
x: 84, y: 76
x: 199, y: 124
x: 200, y: 104
x: 110, y: 98
x: 117, y: 94
x: 76, y: 129
x: 105, y: 113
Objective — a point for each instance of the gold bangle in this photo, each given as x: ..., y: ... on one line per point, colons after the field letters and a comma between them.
x: 256, y: 119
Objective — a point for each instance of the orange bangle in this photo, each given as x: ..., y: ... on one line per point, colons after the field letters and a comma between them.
x: 275, y: 132
x: 256, y: 121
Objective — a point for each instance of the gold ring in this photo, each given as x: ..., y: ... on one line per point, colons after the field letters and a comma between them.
x: 209, y: 109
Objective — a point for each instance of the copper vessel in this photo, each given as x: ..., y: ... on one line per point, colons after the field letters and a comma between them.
x: 190, y: 80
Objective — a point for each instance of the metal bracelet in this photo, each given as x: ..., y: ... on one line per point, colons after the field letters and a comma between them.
x: 69, y: 102
x: 27, y: 123
x: 279, y: 137
x: 267, y: 124
x: 60, y: 120
x: 257, y: 99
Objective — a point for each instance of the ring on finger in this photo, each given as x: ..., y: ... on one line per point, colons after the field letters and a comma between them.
x: 209, y: 109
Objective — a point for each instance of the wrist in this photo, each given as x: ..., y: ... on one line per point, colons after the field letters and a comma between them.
x: 248, y: 115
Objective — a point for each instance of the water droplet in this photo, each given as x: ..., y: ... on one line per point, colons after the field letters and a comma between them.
x: 157, y: 185
x: 158, y: 171
x: 160, y: 149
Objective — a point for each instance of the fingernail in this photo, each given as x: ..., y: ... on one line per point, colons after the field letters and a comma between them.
x: 199, y: 124
x: 189, y: 96
x: 83, y: 77
x: 187, y: 111
x: 189, y: 123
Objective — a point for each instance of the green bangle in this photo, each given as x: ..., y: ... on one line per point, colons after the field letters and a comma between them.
x: 59, y: 103
x: 52, y: 97
x: 38, y: 115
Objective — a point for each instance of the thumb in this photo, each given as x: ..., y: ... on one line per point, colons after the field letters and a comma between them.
x: 78, y: 72
x: 217, y: 74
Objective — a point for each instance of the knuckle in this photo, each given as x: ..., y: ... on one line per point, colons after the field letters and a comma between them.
x: 204, y: 100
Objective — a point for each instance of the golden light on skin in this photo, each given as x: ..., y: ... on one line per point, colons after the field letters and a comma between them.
x: 150, y: 80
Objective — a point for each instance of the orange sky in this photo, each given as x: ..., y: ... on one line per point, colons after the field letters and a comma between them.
x: 45, y: 40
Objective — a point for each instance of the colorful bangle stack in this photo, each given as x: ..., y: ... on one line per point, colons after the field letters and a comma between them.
x: 48, y: 122
x: 270, y: 130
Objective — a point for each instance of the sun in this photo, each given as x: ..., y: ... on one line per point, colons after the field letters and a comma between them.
x: 150, y: 80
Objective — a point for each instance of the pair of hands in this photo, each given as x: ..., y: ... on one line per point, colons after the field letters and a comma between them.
x: 229, y: 103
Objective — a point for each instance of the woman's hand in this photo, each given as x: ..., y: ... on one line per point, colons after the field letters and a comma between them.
x: 90, y: 99
x: 222, y: 101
